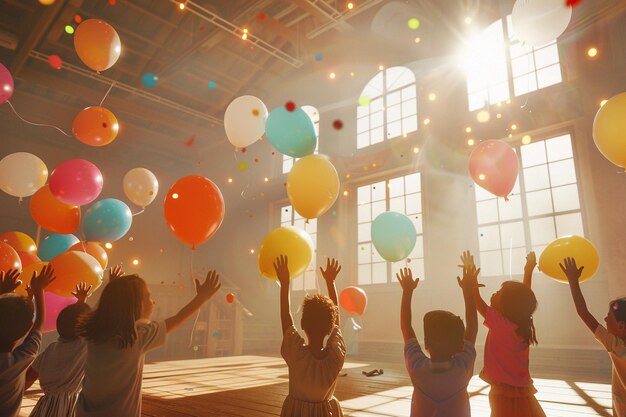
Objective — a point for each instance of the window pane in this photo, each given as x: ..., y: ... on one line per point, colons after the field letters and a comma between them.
x: 374, y: 88
x: 417, y: 222
x: 418, y: 250
x: 393, y: 98
x: 566, y: 198
x: 409, y: 108
x: 376, y: 105
x: 513, y: 261
x: 542, y: 231
x: 547, y: 56
x: 539, y: 202
x: 522, y: 65
x: 396, y: 187
x: 376, y: 119
x: 365, y: 274
x: 413, y: 204
x: 363, y: 195
x: 364, y: 232
x: 362, y: 124
x: 511, y: 209
x: 285, y: 214
x: 365, y: 253
x: 362, y: 111
x: 498, y: 93
x: 379, y: 273
x: 364, y: 213
x: 533, y: 154
x: 549, y: 76
x: 512, y: 235
x: 393, y: 113
x: 569, y: 224
x: 412, y: 183
x: 409, y: 124
x: 397, y: 77
x: 362, y: 140
x: 491, y: 263
x: 487, y: 211
x: 297, y: 284
x: 489, y: 238
x: 378, y: 191
x: 397, y: 204
x: 477, y: 100
x: 376, y: 135
x: 378, y: 208
x: 562, y: 172
x: 408, y: 93
x: 524, y: 84
x: 559, y: 148
x: 394, y: 129
x: 536, y: 178
x: 481, y: 193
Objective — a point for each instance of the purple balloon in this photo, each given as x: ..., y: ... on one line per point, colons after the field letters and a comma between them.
x: 6, y: 84
x: 76, y: 182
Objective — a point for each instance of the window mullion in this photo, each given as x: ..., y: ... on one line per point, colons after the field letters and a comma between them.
x: 507, y: 54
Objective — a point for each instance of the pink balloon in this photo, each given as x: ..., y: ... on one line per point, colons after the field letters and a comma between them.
x: 54, y: 305
x: 6, y: 84
x: 494, y: 166
x: 76, y: 182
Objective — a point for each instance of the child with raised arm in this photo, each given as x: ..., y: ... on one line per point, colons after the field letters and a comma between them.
x: 509, y: 319
x: 313, y: 367
x: 119, y: 333
x: 612, y: 336
x: 16, y: 323
x: 440, y: 382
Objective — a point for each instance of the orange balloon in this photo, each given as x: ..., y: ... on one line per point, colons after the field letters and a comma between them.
x: 9, y: 259
x: 353, y: 300
x: 93, y: 249
x: 27, y: 258
x: 194, y: 209
x: 19, y: 241
x: 95, y: 126
x: 53, y: 215
x: 27, y: 275
x: 72, y: 268
x: 97, y: 44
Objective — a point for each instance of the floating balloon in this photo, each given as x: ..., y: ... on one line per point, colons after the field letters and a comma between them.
x: 291, y: 132
x: 140, y: 186
x: 53, y: 215
x: 313, y: 186
x: 95, y: 126
x: 290, y: 241
x: 27, y: 274
x: 71, y: 268
x: 54, y: 245
x: 575, y: 247
x: 353, y: 300
x: 149, y: 80
x: 194, y: 209
x: 22, y: 174
x: 76, y: 182
x: 9, y: 259
x: 27, y: 258
x: 538, y: 22
x: 494, y: 166
x: 54, y: 305
x: 55, y: 62
x: 393, y: 235
x: 6, y: 84
x: 19, y: 241
x: 244, y: 120
x: 93, y: 249
x: 608, y: 130
x: 230, y: 297
x: 97, y: 44
x: 107, y: 220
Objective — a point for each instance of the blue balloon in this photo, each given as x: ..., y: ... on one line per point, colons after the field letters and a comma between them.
x: 149, y: 79
x: 55, y: 244
x: 291, y: 132
x: 107, y: 220
x: 393, y: 235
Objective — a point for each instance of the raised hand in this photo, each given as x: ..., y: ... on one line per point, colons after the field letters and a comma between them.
x: 405, y: 278
x: 332, y: 269
x: 210, y: 287
x: 470, y: 277
x: 41, y: 280
x: 531, y: 261
x: 467, y: 259
x: 572, y: 272
x: 9, y: 281
x: 282, y: 270
x: 82, y: 292
x: 115, y: 272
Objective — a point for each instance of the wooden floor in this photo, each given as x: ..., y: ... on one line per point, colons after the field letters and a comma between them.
x: 254, y: 386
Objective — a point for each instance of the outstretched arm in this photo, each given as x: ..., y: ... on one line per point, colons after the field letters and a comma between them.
x: 38, y: 284
x: 405, y: 277
x: 468, y: 283
x: 573, y: 274
x: 330, y: 274
x: 531, y: 263
x: 467, y: 260
x: 282, y: 273
x: 203, y: 293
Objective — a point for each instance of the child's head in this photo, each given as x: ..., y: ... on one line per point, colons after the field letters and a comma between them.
x: 517, y: 302
x: 68, y: 318
x: 616, y: 318
x: 443, y: 333
x: 16, y: 319
x: 319, y: 315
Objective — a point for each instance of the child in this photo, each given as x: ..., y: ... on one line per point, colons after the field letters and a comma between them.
x: 16, y: 322
x: 313, y: 368
x: 440, y: 382
x: 119, y: 334
x: 612, y: 336
x: 511, y: 332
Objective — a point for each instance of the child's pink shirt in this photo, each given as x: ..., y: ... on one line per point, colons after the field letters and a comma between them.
x: 506, y: 353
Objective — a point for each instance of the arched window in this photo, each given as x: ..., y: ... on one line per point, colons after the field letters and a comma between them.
x: 387, y: 107
x: 314, y: 115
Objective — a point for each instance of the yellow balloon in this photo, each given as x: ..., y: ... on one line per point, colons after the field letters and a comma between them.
x: 290, y: 241
x: 27, y: 275
x: 575, y: 247
x: 313, y: 186
x: 609, y: 129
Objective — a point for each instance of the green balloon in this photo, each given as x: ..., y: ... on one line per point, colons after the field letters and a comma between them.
x: 393, y: 235
x: 291, y: 132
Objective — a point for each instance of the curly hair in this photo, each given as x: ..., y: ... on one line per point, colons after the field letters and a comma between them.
x: 319, y: 314
x: 16, y: 317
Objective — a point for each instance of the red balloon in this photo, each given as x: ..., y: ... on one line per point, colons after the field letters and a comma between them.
x: 230, y: 297
x: 9, y: 259
x: 194, y: 209
x: 27, y: 258
x: 494, y: 166
x: 353, y: 300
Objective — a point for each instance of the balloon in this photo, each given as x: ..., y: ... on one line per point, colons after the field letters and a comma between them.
x: 608, y: 130
x: 76, y: 182
x: 107, y: 220
x: 27, y: 275
x: 353, y: 300
x: 97, y: 44
x: 575, y: 247
x: 93, y: 249
x: 22, y: 173
x: 72, y: 268
x: 140, y: 186
x: 53, y: 215
x: 244, y: 120
x: 538, y: 22
x: 9, y: 259
x: 6, y: 84
x: 494, y: 166
x: 313, y: 185
x: 95, y: 126
x: 194, y: 209
x: 290, y: 241
x: 291, y: 132
x: 27, y: 259
x: 393, y: 235
x: 54, y: 305
x: 149, y: 80
x: 19, y: 241
x: 54, y: 245
x: 230, y: 297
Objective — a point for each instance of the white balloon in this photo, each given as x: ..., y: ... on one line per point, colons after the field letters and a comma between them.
x: 538, y: 22
x: 244, y: 121
x: 141, y: 186
x: 22, y: 174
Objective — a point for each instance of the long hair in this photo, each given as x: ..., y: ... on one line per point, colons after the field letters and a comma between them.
x: 518, y: 304
x: 119, y: 308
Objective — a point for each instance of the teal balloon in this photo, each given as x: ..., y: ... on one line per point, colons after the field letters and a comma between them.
x: 149, y: 79
x: 393, y: 235
x: 55, y: 244
x: 107, y: 220
x: 291, y: 132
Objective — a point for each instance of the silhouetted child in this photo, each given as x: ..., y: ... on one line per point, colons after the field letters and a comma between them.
x: 119, y: 334
x: 509, y: 319
x: 16, y: 323
x: 313, y: 367
x: 440, y: 382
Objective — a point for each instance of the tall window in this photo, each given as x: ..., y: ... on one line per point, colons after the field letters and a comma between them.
x: 544, y: 205
x: 403, y: 195
x: 290, y: 217
x: 314, y: 115
x: 387, y: 107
